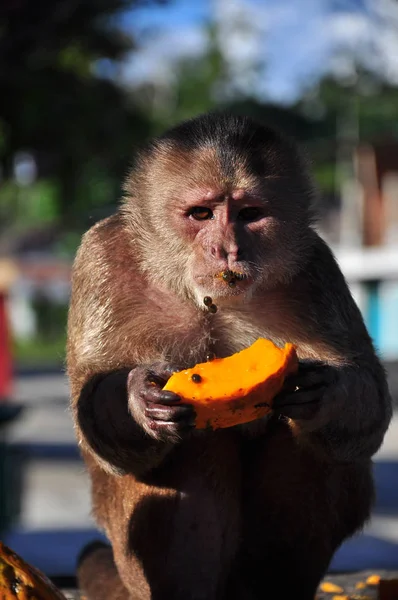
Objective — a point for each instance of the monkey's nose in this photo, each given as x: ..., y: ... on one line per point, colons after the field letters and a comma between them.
x: 218, y: 252
x: 231, y: 254
x: 237, y: 254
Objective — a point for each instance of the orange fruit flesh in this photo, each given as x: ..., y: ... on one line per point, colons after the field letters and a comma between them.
x: 236, y: 389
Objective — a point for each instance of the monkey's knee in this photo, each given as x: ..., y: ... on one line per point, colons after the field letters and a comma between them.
x: 308, y: 496
x: 97, y: 575
x: 300, y: 515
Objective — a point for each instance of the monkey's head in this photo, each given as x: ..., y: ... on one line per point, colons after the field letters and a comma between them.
x: 220, y: 206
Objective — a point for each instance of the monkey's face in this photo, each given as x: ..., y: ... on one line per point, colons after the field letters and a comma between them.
x: 220, y: 229
x: 226, y: 202
x: 237, y: 240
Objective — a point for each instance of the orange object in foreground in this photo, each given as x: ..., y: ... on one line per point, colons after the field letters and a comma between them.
x: 236, y: 389
x: 20, y: 581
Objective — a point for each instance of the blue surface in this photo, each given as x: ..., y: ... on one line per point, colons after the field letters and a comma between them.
x: 49, y: 451
x: 372, y: 315
x: 365, y: 552
x: 54, y: 552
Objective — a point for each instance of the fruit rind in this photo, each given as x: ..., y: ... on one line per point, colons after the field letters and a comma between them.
x: 21, y: 581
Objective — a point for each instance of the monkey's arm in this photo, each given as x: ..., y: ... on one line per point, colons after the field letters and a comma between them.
x: 342, y: 404
x: 108, y: 430
x: 106, y: 356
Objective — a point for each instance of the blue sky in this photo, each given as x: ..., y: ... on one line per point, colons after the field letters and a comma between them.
x: 177, y: 12
x: 298, y: 40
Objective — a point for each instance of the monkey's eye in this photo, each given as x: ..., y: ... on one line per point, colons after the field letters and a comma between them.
x: 250, y: 213
x: 201, y: 213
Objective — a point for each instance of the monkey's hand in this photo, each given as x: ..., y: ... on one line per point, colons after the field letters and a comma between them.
x: 127, y: 422
x: 160, y: 413
x: 326, y: 405
x: 304, y: 393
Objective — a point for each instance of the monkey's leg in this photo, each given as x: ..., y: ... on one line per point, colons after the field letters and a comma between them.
x: 174, y: 535
x: 98, y: 578
x: 297, y: 512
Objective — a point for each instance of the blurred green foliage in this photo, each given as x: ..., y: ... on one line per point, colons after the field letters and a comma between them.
x: 29, y: 207
x: 40, y: 352
x: 80, y: 126
x: 59, y: 103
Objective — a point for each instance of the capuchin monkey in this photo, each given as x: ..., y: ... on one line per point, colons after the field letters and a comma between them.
x: 247, y: 511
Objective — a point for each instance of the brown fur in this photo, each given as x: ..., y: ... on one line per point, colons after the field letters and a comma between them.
x: 224, y: 514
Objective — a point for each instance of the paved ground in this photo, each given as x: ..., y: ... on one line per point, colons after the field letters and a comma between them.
x: 55, y: 518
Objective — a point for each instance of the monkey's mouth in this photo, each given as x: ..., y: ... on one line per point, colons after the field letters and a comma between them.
x: 231, y: 277
x: 224, y: 284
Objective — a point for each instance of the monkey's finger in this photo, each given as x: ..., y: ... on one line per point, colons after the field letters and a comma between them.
x: 155, y: 379
x: 310, y: 378
x: 169, y: 429
x: 166, y: 371
x: 160, y: 373
x: 157, y: 395
x: 300, y: 397
x: 171, y: 414
x: 299, y: 411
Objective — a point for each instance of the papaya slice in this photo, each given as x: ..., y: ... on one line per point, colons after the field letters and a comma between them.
x: 236, y: 389
x: 21, y: 581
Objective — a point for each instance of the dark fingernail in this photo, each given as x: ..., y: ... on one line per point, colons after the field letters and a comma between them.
x: 169, y: 397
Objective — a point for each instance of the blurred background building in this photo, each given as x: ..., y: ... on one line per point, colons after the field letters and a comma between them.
x: 82, y: 85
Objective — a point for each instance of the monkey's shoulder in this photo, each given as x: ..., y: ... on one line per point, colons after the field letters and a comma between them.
x: 108, y: 285
x: 108, y: 238
x: 102, y: 231
x: 320, y: 271
x: 106, y: 255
